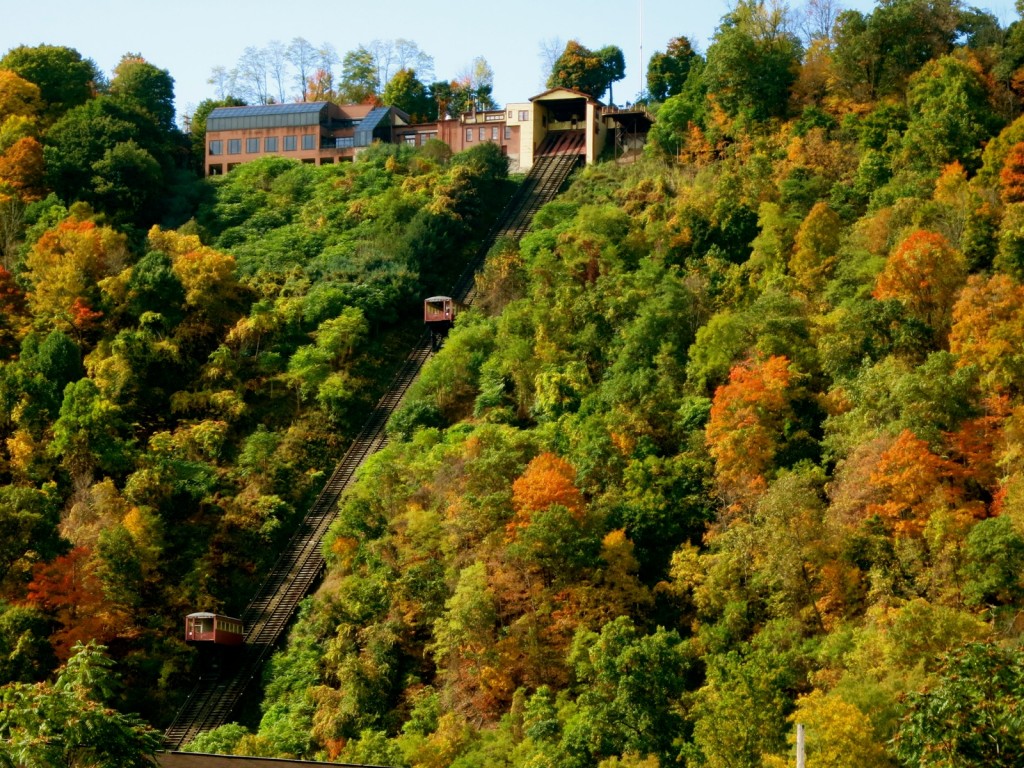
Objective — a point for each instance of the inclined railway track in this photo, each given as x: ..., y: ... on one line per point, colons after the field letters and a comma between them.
x: 301, y: 564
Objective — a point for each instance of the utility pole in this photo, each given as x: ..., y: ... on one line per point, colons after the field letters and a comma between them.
x: 800, y: 763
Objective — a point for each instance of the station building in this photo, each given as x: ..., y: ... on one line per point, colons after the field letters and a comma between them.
x: 557, y: 121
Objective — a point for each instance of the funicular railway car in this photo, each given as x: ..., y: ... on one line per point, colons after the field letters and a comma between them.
x: 439, y: 314
x: 205, y: 627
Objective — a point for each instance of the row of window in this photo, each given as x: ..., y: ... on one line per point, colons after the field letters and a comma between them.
x: 494, y: 133
x: 410, y: 138
x: 270, y: 144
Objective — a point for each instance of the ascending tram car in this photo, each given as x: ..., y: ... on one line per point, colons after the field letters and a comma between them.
x: 212, y: 628
x: 439, y: 314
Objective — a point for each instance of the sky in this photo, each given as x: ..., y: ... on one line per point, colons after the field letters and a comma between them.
x: 191, y: 37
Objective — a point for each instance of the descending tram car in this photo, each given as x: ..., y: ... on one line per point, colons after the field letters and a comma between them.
x: 204, y: 627
x: 439, y: 316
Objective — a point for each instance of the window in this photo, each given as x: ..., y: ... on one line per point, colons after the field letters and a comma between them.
x: 510, y: 114
x: 234, y: 146
x: 217, y: 147
x: 410, y: 139
x: 289, y: 143
x: 309, y: 141
x: 344, y: 142
x: 469, y: 134
x: 508, y: 133
x: 252, y: 146
x: 494, y: 133
x: 483, y: 134
x: 270, y: 144
x: 524, y: 115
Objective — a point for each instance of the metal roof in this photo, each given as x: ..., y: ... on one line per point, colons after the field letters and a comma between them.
x: 268, y: 109
x: 266, y: 116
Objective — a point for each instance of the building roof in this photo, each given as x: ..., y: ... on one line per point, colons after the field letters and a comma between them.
x: 266, y: 116
x: 567, y: 93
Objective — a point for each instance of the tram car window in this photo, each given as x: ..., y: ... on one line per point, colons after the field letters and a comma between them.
x: 205, y: 627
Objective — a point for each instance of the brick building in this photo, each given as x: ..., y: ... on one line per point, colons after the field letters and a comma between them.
x: 559, y: 120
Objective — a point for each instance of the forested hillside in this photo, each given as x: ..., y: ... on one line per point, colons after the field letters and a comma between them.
x: 183, y: 362
x: 732, y: 440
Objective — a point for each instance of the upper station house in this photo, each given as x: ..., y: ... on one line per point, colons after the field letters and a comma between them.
x: 558, y: 121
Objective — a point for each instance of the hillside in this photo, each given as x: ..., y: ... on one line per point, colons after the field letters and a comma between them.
x: 730, y: 441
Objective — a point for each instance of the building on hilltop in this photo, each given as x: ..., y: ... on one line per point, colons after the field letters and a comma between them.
x: 558, y: 121
x: 317, y: 132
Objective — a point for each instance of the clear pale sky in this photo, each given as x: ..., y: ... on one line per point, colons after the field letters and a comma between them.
x: 190, y: 37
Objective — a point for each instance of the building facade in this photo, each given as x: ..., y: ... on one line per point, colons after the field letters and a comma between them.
x: 312, y: 132
x: 560, y: 120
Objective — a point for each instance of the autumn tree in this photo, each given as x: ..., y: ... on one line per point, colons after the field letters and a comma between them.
x: 22, y: 170
x: 591, y: 72
x: 548, y: 479
x: 747, y: 415
x: 64, y: 269
x: 987, y: 321
x: 68, y: 590
x: 18, y: 96
x: 815, y: 247
x: 1011, y: 178
x: 912, y: 482
x: 924, y: 274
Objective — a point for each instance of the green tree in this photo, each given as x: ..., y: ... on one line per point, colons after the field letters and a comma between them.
x: 68, y: 722
x: 78, y: 149
x: 148, y: 86
x: 127, y: 183
x: 874, y: 55
x: 753, y: 61
x: 629, y: 684
x: 86, y: 434
x: 360, y: 83
x: 950, y: 115
x: 65, y: 79
x: 971, y: 716
x: 407, y: 93
x: 667, y: 72
x: 592, y: 72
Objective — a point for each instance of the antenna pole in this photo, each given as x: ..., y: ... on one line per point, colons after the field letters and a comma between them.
x: 641, y: 91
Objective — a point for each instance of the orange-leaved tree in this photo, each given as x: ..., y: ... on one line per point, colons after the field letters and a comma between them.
x: 21, y: 169
x: 923, y: 273
x: 69, y: 590
x: 745, y: 428
x: 912, y: 482
x: 548, y: 479
x: 1011, y: 177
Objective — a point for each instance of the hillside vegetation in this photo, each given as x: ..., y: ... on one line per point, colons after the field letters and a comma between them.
x: 730, y: 441
x: 173, y: 395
